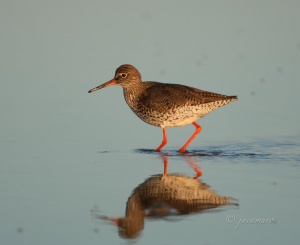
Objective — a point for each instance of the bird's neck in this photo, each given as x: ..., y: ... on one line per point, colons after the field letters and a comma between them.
x: 132, y: 92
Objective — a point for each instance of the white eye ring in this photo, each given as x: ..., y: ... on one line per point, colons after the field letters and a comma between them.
x: 123, y: 75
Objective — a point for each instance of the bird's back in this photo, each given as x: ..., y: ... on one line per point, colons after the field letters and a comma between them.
x: 178, y: 95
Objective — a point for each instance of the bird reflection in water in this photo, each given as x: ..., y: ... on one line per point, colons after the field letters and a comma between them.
x: 165, y: 195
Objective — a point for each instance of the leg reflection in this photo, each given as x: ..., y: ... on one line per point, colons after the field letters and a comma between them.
x: 189, y: 160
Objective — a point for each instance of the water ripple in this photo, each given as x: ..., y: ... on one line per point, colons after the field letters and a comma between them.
x: 282, y: 151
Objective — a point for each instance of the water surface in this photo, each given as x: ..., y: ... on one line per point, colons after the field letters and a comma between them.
x: 63, y: 188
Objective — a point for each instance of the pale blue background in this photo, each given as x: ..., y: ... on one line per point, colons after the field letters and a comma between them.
x: 53, y: 52
x: 52, y: 130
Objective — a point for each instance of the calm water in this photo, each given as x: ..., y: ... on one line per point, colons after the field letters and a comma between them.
x: 65, y: 192
x: 69, y: 160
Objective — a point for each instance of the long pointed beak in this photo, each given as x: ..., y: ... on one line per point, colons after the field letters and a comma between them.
x: 109, y: 83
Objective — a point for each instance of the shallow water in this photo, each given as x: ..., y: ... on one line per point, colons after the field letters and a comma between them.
x: 72, y: 189
x: 70, y: 160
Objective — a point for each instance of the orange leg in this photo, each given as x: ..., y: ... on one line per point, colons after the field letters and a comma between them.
x: 165, y: 140
x: 198, y: 129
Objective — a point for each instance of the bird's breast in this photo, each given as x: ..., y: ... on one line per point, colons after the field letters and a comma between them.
x: 163, y: 116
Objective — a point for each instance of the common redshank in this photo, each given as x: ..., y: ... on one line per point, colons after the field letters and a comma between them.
x: 165, y: 105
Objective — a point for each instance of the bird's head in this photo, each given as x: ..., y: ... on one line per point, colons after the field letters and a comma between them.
x: 125, y: 76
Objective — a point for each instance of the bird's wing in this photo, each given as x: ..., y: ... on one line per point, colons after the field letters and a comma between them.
x: 161, y: 93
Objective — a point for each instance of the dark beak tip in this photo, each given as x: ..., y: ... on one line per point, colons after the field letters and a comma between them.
x: 93, y: 90
x: 109, y: 83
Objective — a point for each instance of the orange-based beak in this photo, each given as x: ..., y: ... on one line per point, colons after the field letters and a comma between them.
x: 109, y: 83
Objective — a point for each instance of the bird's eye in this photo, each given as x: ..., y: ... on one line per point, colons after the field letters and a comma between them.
x: 123, y: 75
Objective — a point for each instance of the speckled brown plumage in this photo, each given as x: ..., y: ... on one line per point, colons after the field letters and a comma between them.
x: 165, y: 105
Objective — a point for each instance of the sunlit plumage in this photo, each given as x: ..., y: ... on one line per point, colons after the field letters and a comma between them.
x: 165, y: 105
